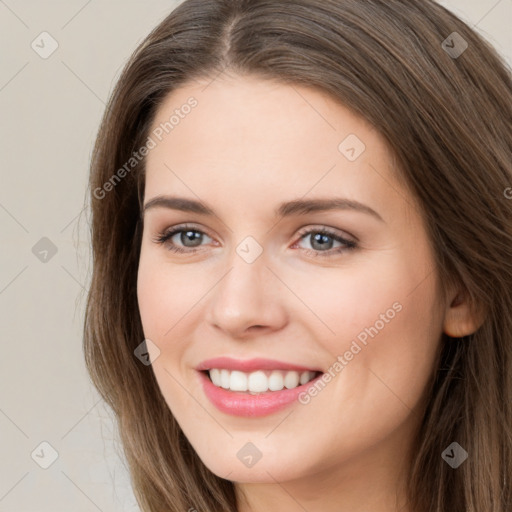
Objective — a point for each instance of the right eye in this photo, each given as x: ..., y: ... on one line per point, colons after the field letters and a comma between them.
x: 184, y: 235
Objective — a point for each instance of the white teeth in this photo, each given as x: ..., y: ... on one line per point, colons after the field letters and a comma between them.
x: 215, y: 376
x: 291, y: 380
x: 259, y: 381
x: 305, y: 377
x: 224, y: 379
x: 238, y: 381
x: 276, y: 381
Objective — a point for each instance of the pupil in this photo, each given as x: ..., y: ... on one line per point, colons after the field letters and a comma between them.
x: 191, y: 236
x: 321, y: 239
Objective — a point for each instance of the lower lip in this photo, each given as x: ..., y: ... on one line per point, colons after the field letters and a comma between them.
x: 244, y: 404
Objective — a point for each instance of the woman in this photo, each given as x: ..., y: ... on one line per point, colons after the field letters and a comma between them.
x: 302, y: 273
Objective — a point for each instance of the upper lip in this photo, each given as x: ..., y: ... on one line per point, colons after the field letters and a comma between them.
x: 249, y: 365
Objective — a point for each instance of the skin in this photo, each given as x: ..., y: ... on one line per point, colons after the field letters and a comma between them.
x: 247, y: 146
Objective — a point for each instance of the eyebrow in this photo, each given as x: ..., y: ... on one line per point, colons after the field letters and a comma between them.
x: 287, y: 209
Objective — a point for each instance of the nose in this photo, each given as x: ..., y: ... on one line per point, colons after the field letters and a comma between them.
x: 248, y: 300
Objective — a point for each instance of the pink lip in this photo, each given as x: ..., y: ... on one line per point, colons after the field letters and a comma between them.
x: 251, y: 365
x: 244, y: 404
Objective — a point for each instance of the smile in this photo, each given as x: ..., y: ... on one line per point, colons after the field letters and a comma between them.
x: 256, y: 387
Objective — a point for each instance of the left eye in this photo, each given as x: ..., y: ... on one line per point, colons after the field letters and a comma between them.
x: 322, y: 241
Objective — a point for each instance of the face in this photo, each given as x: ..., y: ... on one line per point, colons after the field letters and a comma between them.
x: 278, y: 239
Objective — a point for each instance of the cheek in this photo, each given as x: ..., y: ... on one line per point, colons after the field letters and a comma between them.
x: 152, y: 299
x: 388, y: 326
x: 388, y: 301
x: 352, y: 298
x: 387, y: 294
x: 167, y: 296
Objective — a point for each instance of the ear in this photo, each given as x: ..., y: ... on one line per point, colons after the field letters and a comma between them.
x: 460, y: 318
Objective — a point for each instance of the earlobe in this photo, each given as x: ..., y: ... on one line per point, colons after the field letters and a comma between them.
x: 460, y: 318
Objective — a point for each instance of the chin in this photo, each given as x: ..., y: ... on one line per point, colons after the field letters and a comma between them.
x: 266, y: 470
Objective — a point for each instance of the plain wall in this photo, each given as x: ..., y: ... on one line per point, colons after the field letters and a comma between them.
x: 51, y: 109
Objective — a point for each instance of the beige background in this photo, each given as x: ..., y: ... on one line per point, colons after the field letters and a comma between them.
x: 51, y: 109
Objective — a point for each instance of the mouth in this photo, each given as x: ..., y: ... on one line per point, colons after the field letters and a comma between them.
x: 259, y: 381
x: 256, y: 387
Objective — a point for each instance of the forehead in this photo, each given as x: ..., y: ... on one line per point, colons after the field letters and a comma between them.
x: 256, y: 139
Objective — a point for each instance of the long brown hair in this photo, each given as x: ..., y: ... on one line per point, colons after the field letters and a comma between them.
x: 447, y: 119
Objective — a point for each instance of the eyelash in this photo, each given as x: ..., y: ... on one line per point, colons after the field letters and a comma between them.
x: 349, y: 245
